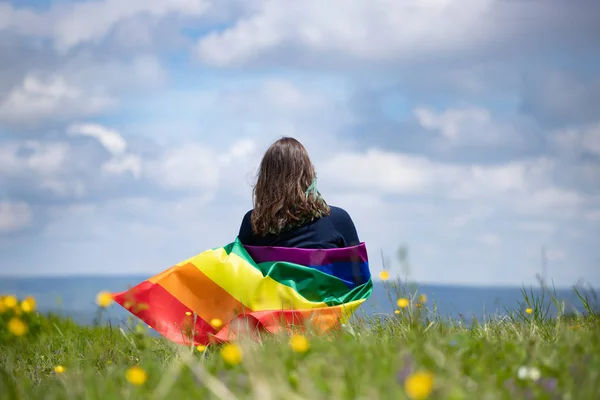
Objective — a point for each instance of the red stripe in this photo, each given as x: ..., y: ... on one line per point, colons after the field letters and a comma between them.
x: 165, y: 314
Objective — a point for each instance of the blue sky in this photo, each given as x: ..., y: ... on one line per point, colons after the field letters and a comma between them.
x: 130, y: 132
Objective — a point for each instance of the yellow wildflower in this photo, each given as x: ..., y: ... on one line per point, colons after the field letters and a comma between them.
x: 232, y: 354
x: 201, y: 348
x: 397, y: 311
x: 216, y: 323
x: 136, y: 376
x: 419, y: 385
x: 59, y: 369
x: 10, y: 301
x: 528, y: 310
x: 104, y: 299
x: 17, y: 327
x: 28, y: 304
x: 402, y: 302
x: 423, y: 298
x: 299, y: 344
x: 384, y: 275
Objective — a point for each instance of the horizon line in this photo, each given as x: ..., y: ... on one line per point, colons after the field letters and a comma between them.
x: 407, y: 282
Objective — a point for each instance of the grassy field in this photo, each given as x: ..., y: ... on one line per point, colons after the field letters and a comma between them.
x: 409, y: 354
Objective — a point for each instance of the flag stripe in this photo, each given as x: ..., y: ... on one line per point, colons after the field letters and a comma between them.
x: 348, y: 264
x: 164, y: 313
x: 315, y: 257
x: 313, y: 285
x: 286, y: 287
x: 246, y: 283
x: 320, y: 320
x: 200, y: 293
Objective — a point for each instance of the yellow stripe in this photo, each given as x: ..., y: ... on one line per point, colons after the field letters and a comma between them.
x: 330, y: 317
x: 349, y: 308
x: 247, y: 284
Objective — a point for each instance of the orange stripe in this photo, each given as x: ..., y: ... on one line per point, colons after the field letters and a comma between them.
x: 201, y: 294
x: 164, y: 313
x: 161, y: 275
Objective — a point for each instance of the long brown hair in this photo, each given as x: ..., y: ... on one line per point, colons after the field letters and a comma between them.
x: 285, y: 194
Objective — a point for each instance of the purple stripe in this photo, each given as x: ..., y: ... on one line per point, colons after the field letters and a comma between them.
x: 308, y: 257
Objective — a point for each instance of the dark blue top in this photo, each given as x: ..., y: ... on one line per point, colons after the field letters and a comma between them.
x: 332, y: 231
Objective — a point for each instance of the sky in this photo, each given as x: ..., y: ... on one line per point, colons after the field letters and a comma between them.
x: 467, y: 131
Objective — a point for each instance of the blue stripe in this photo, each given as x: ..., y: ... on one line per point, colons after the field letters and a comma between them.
x: 352, y: 273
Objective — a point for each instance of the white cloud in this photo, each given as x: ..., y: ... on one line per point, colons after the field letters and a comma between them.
x: 373, y: 30
x: 539, y: 228
x: 36, y: 164
x: 452, y: 124
x: 37, y: 99
x: 74, y: 87
x: 112, y: 141
x: 285, y: 95
x: 125, y: 163
x: 593, y: 216
x: 490, y: 239
x: 120, y: 161
x: 134, y: 235
x: 197, y: 166
x: 141, y: 72
x: 382, y: 171
x: 69, y: 188
x: 243, y: 148
x: 410, y: 31
x: 548, y: 198
x: 523, y: 186
x: 240, y: 150
x: 467, y: 126
x: 190, y: 166
x: 578, y: 141
x: 91, y: 21
x: 70, y: 25
x: 14, y: 216
x: 556, y: 255
x: 23, y: 20
x: 45, y: 159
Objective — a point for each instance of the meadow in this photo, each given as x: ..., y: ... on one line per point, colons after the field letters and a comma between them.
x: 530, y: 353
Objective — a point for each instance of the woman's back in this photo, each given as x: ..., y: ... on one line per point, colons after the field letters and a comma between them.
x: 330, y: 231
x: 288, y: 210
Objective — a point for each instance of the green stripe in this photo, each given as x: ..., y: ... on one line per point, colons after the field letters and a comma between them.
x: 227, y: 247
x: 312, y: 284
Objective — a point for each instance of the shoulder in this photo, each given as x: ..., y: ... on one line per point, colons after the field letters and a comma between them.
x: 247, y: 218
x: 338, y: 212
x: 343, y: 223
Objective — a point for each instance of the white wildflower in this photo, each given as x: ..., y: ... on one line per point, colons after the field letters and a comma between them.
x: 531, y: 373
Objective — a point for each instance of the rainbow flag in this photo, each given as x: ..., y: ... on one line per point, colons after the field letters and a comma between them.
x: 223, y: 292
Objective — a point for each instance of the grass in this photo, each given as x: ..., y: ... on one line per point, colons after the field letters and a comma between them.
x: 389, y: 357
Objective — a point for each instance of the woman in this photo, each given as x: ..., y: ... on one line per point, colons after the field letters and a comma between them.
x: 288, y: 209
